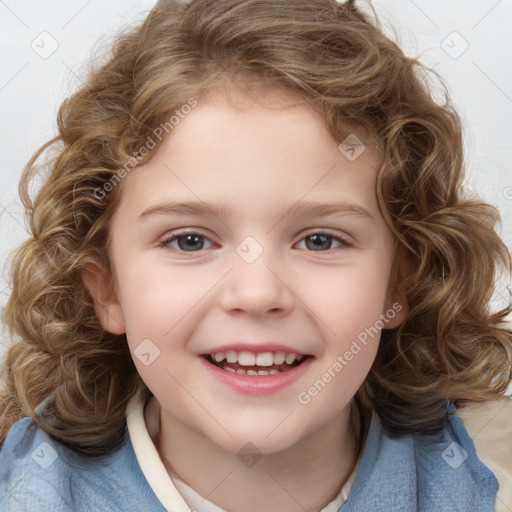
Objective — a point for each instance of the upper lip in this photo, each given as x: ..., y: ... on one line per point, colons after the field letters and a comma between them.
x: 257, y: 348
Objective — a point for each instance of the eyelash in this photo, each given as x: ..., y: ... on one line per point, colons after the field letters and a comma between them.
x: 166, y: 242
x: 344, y: 243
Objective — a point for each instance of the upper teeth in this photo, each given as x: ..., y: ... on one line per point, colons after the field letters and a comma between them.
x: 245, y: 358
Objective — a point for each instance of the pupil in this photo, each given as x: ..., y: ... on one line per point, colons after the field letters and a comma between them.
x: 190, y: 242
x: 318, y: 242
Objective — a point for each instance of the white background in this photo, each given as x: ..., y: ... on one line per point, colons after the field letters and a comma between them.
x: 33, y: 83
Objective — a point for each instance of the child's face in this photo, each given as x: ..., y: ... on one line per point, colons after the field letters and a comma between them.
x: 259, y: 271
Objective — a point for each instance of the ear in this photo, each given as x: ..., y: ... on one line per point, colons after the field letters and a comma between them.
x: 99, y: 283
x: 396, y: 306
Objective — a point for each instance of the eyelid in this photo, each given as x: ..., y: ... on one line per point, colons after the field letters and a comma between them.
x: 344, y: 239
x: 166, y: 239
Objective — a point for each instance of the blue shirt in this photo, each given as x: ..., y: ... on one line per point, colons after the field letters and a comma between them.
x: 437, y: 473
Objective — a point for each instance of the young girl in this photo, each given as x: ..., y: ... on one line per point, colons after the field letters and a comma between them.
x: 253, y: 282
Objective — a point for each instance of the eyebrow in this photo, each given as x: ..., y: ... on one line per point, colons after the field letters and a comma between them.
x: 300, y: 209
x: 327, y: 209
x: 186, y: 209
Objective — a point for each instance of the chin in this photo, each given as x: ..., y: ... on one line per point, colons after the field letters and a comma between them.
x: 264, y: 439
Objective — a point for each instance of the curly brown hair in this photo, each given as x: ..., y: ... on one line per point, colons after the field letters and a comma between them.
x: 451, y: 347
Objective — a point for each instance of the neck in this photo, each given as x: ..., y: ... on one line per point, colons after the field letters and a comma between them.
x: 306, y: 476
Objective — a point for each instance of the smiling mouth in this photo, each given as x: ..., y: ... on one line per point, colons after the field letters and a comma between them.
x: 254, y: 369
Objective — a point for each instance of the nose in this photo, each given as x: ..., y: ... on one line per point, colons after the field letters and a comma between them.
x: 258, y: 289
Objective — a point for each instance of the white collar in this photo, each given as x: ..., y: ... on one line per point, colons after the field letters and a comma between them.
x: 174, y: 494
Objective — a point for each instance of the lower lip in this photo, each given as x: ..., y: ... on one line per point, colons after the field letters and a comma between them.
x: 258, y: 384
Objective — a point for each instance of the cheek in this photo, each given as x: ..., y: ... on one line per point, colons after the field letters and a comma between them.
x: 150, y: 308
x: 154, y: 299
x: 163, y: 305
x: 157, y: 308
x: 350, y: 299
x: 349, y: 316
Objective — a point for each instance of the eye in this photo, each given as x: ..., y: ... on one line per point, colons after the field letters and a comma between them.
x: 322, y: 242
x: 186, y: 242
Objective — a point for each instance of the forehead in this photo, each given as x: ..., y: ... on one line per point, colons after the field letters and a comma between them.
x: 242, y: 150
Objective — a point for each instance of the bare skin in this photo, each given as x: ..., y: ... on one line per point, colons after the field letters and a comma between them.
x: 320, y: 280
